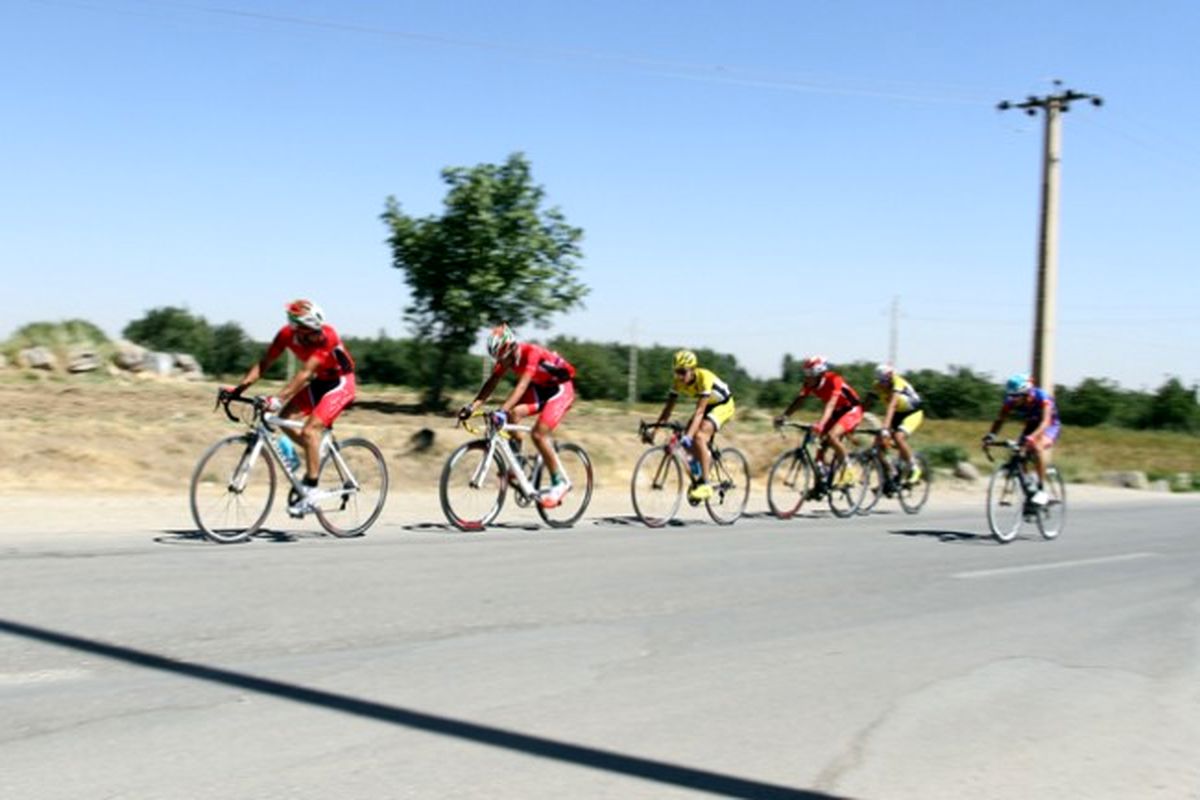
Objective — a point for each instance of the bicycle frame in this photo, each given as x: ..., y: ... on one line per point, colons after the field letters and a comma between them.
x: 673, y: 447
x: 497, y: 442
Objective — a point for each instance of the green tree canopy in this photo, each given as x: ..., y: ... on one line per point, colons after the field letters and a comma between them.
x: 494, y: 255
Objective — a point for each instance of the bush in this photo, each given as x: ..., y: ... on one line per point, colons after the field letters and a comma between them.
x: 944, y: 455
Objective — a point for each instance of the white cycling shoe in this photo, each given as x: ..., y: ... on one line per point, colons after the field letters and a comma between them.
x: 552, y: 497
x: 1040, y: 498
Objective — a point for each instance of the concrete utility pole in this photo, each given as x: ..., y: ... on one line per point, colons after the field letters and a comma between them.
x: 1047, y: 275
x: 894, y: 331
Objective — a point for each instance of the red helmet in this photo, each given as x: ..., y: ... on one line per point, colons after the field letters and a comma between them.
x: 815, y: 366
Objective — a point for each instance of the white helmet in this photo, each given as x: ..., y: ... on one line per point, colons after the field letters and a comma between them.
x: 815, y: 365
x: 884, y: 373
x: 305, y: 314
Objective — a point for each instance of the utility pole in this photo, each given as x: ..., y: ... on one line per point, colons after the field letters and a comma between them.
x: 894, y: 330
x: 1054, y: 106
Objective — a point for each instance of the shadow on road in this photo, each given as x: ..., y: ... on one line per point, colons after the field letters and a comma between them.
x: 610, y: 761
x: 959, y: 537
x: 192, y: 536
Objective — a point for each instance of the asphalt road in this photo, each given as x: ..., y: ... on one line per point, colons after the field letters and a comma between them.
x: 886, y: 657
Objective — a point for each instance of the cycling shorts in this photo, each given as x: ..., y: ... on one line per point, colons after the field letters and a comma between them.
x: 907, y: 422
x: 1048, y: 437
x: 325, y: 399
x: 549, y: 402
x: 719, y: 414
x: 847, y: 419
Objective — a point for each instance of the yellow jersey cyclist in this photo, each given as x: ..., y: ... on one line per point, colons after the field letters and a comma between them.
x: 714, y: 408
x: 902, y: 414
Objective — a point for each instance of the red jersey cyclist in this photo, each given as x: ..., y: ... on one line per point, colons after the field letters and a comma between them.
x: 1037, y: 407
x: 545, y: 388
x: 714, y: 408
x: 842, y: 411
x: 320, y: 390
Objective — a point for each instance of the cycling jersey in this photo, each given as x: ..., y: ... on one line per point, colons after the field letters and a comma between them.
x: 1037, y: 401
x: 907, y: 397
x: 546, y: 367
x: 335, y: 360
x: 833, y: 385
x: 705, y: 384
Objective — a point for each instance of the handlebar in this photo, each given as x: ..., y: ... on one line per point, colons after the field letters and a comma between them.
x: 1010, y: 444
x: 225, y: 397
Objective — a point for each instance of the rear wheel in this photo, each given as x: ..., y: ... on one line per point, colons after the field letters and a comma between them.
x: 576, y: 465
x: 1053, y: 515
x: 848, y: 488
x: 873, y: 467
x: 788, y: 484
x: 729, y: 479
x: 1005, y: 504
x: 355, y: 479
x: 472, y: 492
x: 913, y: 494
x: 232, y: 488
x: 657, y: 486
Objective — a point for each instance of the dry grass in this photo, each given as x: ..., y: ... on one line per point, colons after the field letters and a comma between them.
x: 85, y: 434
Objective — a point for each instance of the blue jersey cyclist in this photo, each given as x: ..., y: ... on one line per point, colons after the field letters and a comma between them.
x: 1037, y: 408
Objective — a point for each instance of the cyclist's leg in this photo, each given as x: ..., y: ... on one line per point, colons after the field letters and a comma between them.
x: 905, y: 428
x: 839, y: 427
x: 553, y: 404
x: 331, y: 400
x: 714, y: 418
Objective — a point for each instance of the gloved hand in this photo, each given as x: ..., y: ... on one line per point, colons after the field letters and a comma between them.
x: 685, y: 442
x: 816, y: 429
x: 778, y: 421
x: 466, y: 411
x: 989, y: 437
x: 648, y: 436
x: 498, y: 418
x: 885, y: 433
x: 272, y: 404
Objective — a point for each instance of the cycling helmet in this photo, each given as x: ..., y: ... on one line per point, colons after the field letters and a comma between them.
x: 685, y: 359
x: 884, y: 373
x: 1018, y: 383
x: 815, y: 366
x: 305, y: 314
x: 500, y: 341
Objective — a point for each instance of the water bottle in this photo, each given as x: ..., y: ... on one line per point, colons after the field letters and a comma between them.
x: 694, y: 466
x: 288, y: 451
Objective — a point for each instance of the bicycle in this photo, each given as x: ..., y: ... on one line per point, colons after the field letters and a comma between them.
x: 478, y: 474
x: 233, y: 484
x: 1010, y: 496
x: 888, y: 476
x: 796, y: 478
x: 657, y: 486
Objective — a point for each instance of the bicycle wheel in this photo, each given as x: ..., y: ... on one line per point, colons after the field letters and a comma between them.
x: 657, y: 486
x: 1053, y: 515
x: 472, y: 493
x: 578, y: 468
x: 873, y: 476
x: 848, y: 489
x: 1005, y: 504
x: 355, y: 476
x: 914, y: 494
x: 788, y: 484
x: 232, y: 488
x: 729, y: 477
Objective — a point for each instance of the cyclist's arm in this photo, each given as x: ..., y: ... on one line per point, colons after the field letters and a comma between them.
x: 891, y: 411
x: 486, y: 390
x: 517, y: 393
x: 305, y: 374
x: 259, y: 369
x: 668, y: 407
x: 697, y: 416
x: 795, y: 404
x: 1042, y: 425
x: 1003, y: 415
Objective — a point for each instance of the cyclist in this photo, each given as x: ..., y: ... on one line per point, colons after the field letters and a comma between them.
x: 841, y: 414
x: 320, y: 390
x: 545, y: 387
x: 714, y: 408
x: 902, y: 415
x: 1037, y: 407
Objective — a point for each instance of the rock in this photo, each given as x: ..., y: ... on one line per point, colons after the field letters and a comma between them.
x: 1162, y: 485
x: 1132, y: 479
x: 1181, y: 482
x: 37, y: 358
x: 3, y: 361
x: 130, y: 356
x: 966, y: 471
x: 185, y: 362
x: 158, y: 363
x: 83, y: 358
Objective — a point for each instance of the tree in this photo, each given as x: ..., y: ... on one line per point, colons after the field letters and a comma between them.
x: 1173, y: 407
x: 173, y: 330
x: 494, y: 255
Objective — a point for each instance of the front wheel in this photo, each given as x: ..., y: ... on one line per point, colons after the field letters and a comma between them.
x: 1005, y: 504
x: 575, y: 464
x: 874, y: 476
x: 353, y: 483
x: 1053, y: 515
x: 913, y: 494
x: 232, y: 488
x: 730, y: 481
x: 788, y: 484
x: 848, y: 487
x: 657, y: 486
x: 472, y: 491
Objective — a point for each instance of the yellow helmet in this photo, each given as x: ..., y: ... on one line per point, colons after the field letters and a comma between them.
x: 685, y: 359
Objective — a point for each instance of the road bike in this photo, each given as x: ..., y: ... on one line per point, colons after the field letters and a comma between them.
x: 888, y: 476
x: 658, y: 484
x: 796, y: 478
x: 233, y: 484
x: 1010, y: 495
x: 477, y: 476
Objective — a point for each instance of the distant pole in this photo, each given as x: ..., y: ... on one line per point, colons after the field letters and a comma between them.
x: 632, y: 363
x: 894, y: 330
x: 1054, y: 106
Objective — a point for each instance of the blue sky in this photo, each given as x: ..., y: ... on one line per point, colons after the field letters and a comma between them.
x: 761, y: 177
